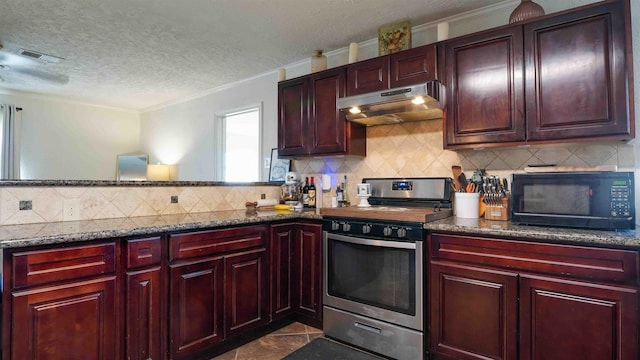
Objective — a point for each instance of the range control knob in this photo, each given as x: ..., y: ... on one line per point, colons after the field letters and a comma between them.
x: 387, y: 231
x: 335, y: 225
x: 346, y: 227
x: 402, y: 232
x: 366, y: 229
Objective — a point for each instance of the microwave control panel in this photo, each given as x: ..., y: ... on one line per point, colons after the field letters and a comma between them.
x: 620, y: 199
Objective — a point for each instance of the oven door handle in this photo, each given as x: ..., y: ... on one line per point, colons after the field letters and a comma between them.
x: 373, y: 242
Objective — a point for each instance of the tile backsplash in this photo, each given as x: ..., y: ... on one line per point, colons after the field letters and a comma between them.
x: 415, y: 149
x: 402, y: 150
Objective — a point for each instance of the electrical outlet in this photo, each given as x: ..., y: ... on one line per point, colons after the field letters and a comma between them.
x: 174, y: 199
x: 71, y: 210
x: 267, y: 163
x: 25, y: 205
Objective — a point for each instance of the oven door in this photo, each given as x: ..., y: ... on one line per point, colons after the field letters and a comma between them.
x: 379, y: 279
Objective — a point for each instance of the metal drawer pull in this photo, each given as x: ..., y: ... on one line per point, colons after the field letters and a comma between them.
x: 368, y: 328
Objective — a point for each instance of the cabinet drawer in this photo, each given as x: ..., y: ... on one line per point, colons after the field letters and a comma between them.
x: 187, y: 245
x: 44, y: 266
x: 567, y: 260
x: 143, y: 252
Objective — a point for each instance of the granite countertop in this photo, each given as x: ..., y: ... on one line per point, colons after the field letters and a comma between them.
x: 620, y: 238
x: 13, y: 236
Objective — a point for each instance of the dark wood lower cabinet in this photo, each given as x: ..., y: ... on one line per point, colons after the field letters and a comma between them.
x: 246, y: 291
x: 281, y: 247
x: 566, y: 319
x: 510, y: 299
x: 143, y: 314
x: 308, y: 271
x: 473, y: 313
x: 196, y: 296
x: 66, y: 321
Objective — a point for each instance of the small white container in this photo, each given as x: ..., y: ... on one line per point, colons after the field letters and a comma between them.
x: 467, y: 205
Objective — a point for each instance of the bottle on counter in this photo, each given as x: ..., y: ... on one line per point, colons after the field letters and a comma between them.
x: 312, y: 194
x: 340, y: 195
x: 345, y: 200
x: 305, y: 193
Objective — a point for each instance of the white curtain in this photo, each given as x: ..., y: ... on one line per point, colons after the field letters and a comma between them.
x: 10, y: 155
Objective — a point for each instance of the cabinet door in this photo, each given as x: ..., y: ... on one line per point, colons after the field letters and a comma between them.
x: 67, y: 321
x: 246, y: 292
x: 281, y: 256
x: 564, y: 319
x: 308, y: 271
x: 327, y: 127
x: 473, y: 312
x: 577, y: 84
x: 485, y: 89
x: 368, y: 76
x: 196, y: 312
x: 414, y: 66
x: 292, y: 117
x: 143, y: 314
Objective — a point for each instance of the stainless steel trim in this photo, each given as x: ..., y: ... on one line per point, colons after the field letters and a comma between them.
x: 369, y: 328
x: 410, y: 321
x: 422, y: 188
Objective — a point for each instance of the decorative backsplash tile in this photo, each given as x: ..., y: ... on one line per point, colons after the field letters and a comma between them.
x: 416, y: 150
x: 402, y: 150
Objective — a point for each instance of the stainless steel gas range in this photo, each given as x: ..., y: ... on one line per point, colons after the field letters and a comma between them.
x: 374, y: 270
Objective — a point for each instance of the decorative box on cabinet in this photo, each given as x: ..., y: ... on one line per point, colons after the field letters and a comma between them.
x: 531, y: 300
x: 309, y: 123
x: 565, y: 77
x: 61, y: 307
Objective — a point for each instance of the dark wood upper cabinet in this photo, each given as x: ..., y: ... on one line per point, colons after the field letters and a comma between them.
x: 565, y: 77
x: 404, y: 68
x: 309, y: 123
x: 576, y: 79
x: 485, y: 88
x: 368, y: 76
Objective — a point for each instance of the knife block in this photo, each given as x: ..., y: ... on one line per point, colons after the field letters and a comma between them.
x: 498, y: 212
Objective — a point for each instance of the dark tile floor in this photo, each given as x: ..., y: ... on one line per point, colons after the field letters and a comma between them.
x: 276, y: 345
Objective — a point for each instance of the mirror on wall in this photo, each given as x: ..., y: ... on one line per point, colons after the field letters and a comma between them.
x: 132, y: 167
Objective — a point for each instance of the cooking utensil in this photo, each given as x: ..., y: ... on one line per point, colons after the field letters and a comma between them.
x: 456, y: 170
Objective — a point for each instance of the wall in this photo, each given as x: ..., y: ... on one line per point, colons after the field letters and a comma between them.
x: 183, y: 133
x: 92, y: 135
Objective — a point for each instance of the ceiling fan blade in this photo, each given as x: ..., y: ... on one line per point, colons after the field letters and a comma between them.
x: 42, y: 75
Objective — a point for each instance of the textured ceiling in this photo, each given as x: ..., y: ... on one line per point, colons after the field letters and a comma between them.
x: 140, y: 53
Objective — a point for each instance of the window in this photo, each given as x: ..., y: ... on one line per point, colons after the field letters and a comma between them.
x: 239, y: 145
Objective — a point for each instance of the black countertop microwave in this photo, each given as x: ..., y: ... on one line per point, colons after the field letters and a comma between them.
x: 591, y: 200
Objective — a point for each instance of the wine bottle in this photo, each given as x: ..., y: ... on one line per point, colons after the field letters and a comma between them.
x: 305, y: 193
x: 312, y: 194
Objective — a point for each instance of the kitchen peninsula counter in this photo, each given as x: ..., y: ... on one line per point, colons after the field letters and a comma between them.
x: 14, y: 236
x: 508, y: 229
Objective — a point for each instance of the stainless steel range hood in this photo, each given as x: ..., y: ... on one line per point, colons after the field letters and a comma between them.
x: 412, y: 103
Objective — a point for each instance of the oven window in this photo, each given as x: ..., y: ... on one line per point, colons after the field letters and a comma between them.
x: 377, y: 276
x: 557, y: 199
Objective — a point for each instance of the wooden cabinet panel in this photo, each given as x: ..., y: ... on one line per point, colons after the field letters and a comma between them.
x: 413, y: 66
x: 308, y: 261
x: 485, y: 88
x: 246, y: 292
x: 45, y: 266
x: 576, y: 75
x: 70, y: 321
x: 143, y: 314
x: 563, y: 319
x: 292, y: 117
x: 202, y: 243
x: 473, y: 312
x: 368, y: 76
x: 196, y: 296
x: 281, y: 246
x: 570, y: 260
x: 143, y: 252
